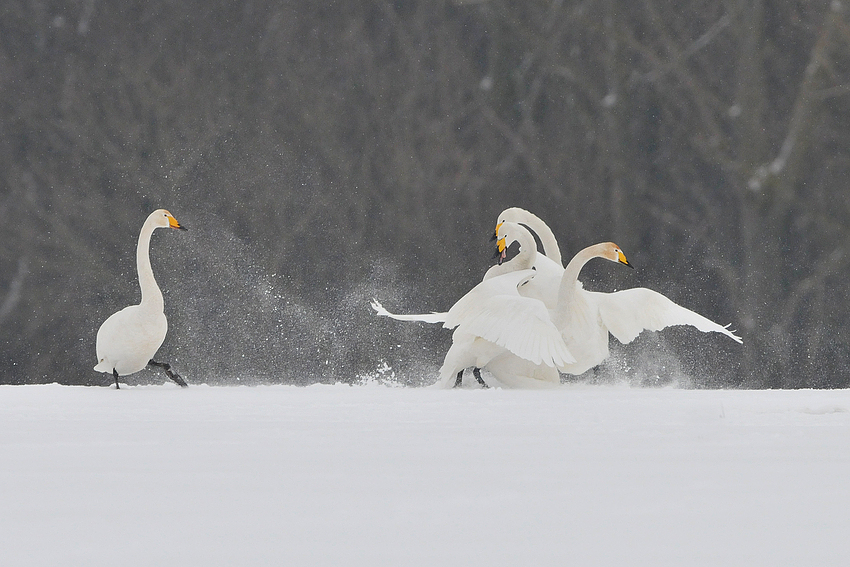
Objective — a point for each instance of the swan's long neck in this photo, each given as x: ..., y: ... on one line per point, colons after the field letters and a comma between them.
x: 570, y: 277
x: 546, y: 236
x: 151, y: 295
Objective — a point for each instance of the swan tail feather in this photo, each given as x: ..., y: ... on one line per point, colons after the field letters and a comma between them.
x: 432, y: 317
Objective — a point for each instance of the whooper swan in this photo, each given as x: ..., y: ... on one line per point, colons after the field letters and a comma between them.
x: 128, y: 340
x: 585, y: 318
x: 509, y: 369
x: 497, y: 327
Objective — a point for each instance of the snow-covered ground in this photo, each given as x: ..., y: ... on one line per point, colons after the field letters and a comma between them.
x: 372, y: 475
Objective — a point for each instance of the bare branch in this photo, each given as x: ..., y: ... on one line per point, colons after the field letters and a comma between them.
x: 13, y: 296
x: 800, y: 122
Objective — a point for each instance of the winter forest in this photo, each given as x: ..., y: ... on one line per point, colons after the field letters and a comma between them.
x: 323, y: 154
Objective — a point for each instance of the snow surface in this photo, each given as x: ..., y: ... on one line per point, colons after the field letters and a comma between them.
x: 372, y: 475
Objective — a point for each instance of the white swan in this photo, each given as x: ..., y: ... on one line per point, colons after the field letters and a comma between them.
x: 495, y: 321
x: 128, y: 339
x: 585, y: 318
x: 507, y: 368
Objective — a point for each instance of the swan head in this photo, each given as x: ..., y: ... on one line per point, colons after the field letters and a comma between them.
x: 501, y: 247
x: 513, y: 214
x: 506, y: 251
x: 511, y: 240
x: 611, y: 251
x: 163, y: 219
x: 496, y: 232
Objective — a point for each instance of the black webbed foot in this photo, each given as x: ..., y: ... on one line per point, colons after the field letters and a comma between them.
x: 173, y: 375
x: 477, y: 373
x: 459, y: 380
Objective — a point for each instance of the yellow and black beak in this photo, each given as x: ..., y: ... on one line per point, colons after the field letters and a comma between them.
x: 496, y: 233
x: 172, y: 223
x: 501, y: 248
x: 622, y: 259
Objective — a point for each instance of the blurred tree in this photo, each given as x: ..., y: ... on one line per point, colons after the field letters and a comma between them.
x: 323, y: 153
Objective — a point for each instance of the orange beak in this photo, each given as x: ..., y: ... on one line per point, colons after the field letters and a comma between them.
x: 172, y: 222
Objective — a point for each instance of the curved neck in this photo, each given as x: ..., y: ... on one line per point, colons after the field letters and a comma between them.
x: 524, y: 260
x: 546, y: 236
x: 151, y: 295
x: 570, y: 277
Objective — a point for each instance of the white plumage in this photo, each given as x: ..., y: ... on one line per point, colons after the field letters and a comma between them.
x: 503, y: 324
x: 585, y: 318
x: 129, y: 339
x: 522, y: 324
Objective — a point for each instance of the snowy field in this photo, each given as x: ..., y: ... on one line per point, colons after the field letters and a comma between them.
x: 372, y: 475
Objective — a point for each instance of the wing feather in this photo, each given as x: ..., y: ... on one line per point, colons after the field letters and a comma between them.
x: 494, y: 311
x: 629, y: 312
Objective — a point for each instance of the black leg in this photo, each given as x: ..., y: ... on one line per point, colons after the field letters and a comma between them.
x: 477, y: 373
x: 459, y: 379
x: 173, y: 375
x: 115, y: 374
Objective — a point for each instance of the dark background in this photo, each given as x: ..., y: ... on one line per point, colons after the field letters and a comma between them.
x: 324, y: 153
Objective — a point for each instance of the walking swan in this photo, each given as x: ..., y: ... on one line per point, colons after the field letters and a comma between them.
x: 128, y: 340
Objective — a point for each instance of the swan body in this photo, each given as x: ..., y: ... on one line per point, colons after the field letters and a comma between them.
x: 129, y: 339
x: 469, y: 350
x: 507, y: 370
x: 495, y: 311
x: 585, y: 318
x: 503, y: 324
x: 475, y: 314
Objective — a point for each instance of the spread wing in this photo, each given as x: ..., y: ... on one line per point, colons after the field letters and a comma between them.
x: 629, y: 312
x: 494, y: 311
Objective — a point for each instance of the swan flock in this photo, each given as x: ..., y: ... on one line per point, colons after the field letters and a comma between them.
x: 530, y: 318
x: 527, y: 322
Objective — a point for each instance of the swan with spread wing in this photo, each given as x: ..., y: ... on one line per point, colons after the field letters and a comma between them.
x: 583, y: 318
x: 470, y: 349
